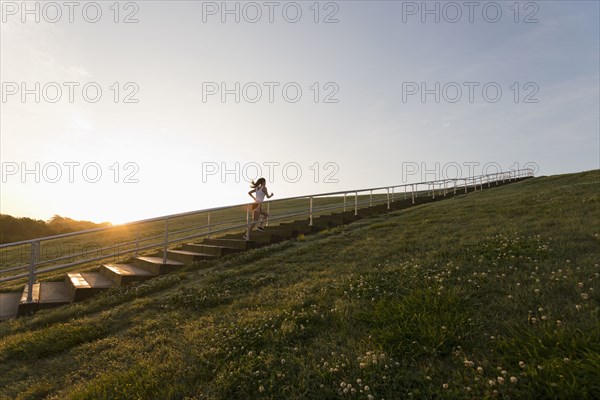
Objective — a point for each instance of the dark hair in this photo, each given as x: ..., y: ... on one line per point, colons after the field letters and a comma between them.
x: 259, y: 182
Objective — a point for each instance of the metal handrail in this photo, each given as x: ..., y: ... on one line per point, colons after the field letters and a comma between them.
x: 442, y: 186
x: 190, y: 213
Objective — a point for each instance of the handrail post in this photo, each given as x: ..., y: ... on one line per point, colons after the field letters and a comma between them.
x: 137, y: 242
x: 433, y: 190
x: 388, y: 198
x: 208, y: 224
x: 455, y: 184
x: 371, y: 198
x: 344, y: 202
x: 166, y: 245
x: 445, y: 182
x: 405, y: 188
x: 412, y: 193
x: 393, y: 194
x: 32, y: 262
x: 310, y: 220
x: 355, y: 203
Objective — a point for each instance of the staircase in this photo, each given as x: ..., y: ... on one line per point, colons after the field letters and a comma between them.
x: 78, y: 286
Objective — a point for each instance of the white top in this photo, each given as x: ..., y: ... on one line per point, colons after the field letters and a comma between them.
x: 260, y: 194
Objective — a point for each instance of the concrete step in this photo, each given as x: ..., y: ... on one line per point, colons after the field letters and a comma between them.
x: 188, y: 257
x: 364, y: 210
x: 217, y: 251
x: 328, y: 221
x: 302, y: 227
x: 401, y: 204
x: 122, y: 274
x: 9, y: 305
x: 237, y: 243
x: 288, y: 231
x: 156, y: 264
x: 318, y: 225
x: 348, y: 216
x: 261, y: 238
x: 277, y: 232
x: 367, y: 212
x: 426, y: 200
x: 85, y: 284
x: 45, y: 295
x: 382, y: 208
x: 26, y: 308
x: 53, y: 294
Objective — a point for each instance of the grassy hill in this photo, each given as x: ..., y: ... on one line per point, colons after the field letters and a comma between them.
x: 493, y: 294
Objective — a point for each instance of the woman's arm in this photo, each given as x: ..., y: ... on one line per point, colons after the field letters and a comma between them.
x: 267, y: 192
x: 251, y: 195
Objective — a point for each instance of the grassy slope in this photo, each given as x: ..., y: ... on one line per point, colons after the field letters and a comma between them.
x: 447, y: 300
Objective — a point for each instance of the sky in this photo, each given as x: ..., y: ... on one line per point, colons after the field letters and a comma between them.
x: 124, y: 111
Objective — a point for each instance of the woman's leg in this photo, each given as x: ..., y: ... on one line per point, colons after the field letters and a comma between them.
x: 265, y: 216
x: 255, y: 216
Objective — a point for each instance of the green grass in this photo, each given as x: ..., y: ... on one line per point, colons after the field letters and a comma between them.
x: 493, y: 294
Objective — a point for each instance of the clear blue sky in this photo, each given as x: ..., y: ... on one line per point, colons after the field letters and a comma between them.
x: 370, y: 61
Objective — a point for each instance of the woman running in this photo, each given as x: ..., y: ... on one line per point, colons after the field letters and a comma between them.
x: 260, y: 189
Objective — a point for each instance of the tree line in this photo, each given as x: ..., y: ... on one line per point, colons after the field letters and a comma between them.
x: 14, y: 229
